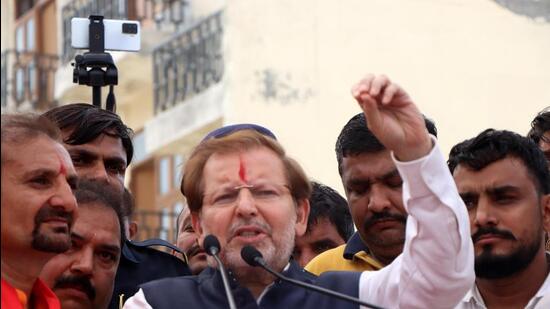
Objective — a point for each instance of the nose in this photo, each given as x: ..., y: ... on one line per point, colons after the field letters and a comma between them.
x: 246, y: 205
x: 84, y: 261
x: 64, y: 197
x: 378, y: 199
x: 99, y: 172
x: 484, y: 214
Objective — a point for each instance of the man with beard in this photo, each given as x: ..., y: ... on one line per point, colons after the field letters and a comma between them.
x: 84, y: 276
x: 373, y: 189
x: 38, y: 208
x: 504, y: 181
x: 187, y: 240
x: 100, y: 145
x: 244, y: 189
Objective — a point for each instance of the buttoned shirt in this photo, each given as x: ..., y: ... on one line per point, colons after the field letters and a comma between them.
x: 474, y: 300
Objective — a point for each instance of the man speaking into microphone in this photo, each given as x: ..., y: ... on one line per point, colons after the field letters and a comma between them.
x: 242, y: 188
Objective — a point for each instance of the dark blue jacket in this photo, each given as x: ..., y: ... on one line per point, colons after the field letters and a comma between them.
x: 206, y: 291
x: 140, y: 264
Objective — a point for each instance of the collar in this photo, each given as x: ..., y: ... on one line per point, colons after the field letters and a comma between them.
x: 474, y: 297
x: 353, y: 246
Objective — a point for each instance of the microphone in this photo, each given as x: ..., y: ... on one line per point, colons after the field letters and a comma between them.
x: 254, y: 257
x: 212, y: 247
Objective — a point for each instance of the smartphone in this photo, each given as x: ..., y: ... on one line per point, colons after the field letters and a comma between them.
x: 121, y: 35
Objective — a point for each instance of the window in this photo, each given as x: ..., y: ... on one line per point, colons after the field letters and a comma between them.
x: 164, y: 224
x: 178, y: 169
x: 164, y: 175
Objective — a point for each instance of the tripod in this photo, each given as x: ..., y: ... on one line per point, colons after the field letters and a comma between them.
x: 96, y: 68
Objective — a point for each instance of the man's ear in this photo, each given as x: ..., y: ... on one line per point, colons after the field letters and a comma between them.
x: 545, y: 205
x: 132, y: 229
x: 302, y: 214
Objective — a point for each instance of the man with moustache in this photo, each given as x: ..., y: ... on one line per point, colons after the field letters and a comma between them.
x: 100, y: 145
x: 245, y: 190
x: 84, y: 276
x: 504, y: 181
x: 38, y: 208
x: 373, y: 189
x: 187, y: 240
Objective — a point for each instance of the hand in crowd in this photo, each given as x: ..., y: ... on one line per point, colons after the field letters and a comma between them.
x: 392, y: 116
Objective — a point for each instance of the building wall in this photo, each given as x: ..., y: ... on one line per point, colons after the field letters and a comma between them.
x: 468, y: 64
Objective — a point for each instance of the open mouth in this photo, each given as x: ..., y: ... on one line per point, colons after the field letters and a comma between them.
x: 249, y: 234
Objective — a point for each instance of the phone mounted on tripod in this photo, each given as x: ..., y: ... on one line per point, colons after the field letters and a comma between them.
x: 96, y: 68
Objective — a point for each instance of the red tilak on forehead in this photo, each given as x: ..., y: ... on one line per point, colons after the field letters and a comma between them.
x: 62, y: 167
x: 242, y: 170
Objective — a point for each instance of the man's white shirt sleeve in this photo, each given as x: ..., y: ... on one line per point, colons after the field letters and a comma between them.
x: 436, y: 268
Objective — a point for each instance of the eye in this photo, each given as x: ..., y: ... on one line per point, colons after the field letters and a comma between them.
x: 225, y: 198
x: 266, y: 193
x: 107, y: 257
x: 41, y: 181
x: 79, y: 160
x: 116, y: 168
x: 394, y: 182
x: 469, y: 202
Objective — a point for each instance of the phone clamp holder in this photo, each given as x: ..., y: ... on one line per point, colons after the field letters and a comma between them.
x: 96, y: 68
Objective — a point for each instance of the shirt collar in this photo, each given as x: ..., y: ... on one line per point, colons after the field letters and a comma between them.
x: 353, y: 246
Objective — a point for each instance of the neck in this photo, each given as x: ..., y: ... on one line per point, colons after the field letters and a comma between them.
x: 254, y: 279
x: 22, y: 270
x: 505, y: 292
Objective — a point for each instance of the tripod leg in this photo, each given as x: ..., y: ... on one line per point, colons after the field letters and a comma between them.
x: 97, y: 96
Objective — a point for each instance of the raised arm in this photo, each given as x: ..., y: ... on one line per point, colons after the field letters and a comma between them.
x: 436, y: 267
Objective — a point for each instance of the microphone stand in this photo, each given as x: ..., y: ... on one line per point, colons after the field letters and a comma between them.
x: 212, y: 247
x: 259, y: 261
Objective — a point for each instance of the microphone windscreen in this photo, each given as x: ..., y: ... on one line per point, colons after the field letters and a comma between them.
x: 250, y: 254
x: 211, y: 244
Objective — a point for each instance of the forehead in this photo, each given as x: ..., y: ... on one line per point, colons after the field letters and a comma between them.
x: 367, y: 165
x: 104, y: 144
x: 508, y: 171
x: 38, y: 153
x: 98, y: 224
x: 255, y: 164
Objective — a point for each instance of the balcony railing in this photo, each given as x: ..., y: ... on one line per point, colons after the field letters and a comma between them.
x: 28, y: 77
x: 111, y: 9
x: 188, y: 63
x: 156, y: 224
x: 163, y: 13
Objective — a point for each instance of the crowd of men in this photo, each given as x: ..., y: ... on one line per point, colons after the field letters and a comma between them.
x: 415, y: 230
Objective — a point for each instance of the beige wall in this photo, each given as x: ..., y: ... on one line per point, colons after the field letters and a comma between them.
x: 469, y: 65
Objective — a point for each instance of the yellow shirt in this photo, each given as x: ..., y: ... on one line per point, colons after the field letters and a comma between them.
x: 333, y: 260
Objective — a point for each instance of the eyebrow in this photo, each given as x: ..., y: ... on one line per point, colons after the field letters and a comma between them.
x: 502, y: 190
x: 113, y: 248
x: 359, y: 181
x: 92, y: 155
x: 48, y: 172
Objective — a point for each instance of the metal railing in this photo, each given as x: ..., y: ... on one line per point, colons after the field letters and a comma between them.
x: 28, y: 77
x: 163, y: 13
x: 111, y: 9
x: 188, y: 63
x: 156, y: 224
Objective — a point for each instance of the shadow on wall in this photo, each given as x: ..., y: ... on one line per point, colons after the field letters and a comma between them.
x: 538, y: 10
